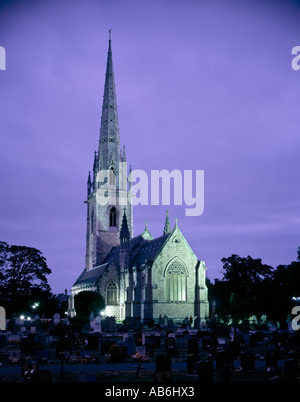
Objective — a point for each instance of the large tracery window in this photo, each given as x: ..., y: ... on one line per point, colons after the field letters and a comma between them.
x: 176, y: 282
x: 111, y: 293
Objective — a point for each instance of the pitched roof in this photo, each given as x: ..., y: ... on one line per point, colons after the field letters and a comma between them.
x: 149, y: 250
x: 140, y: 249
x: 92, y: 275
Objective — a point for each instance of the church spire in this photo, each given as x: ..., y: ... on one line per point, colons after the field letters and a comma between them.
x: 109, y: 142
x: 167, y: 228
x: 124, y: 232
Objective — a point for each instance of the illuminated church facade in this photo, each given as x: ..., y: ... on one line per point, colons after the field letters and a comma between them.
x: 138, y: 276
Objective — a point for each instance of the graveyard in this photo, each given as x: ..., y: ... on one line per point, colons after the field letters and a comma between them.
x: 52, y: 350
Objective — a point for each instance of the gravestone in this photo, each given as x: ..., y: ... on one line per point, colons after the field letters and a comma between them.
x: 170, y: 326
x: 96, y: 324
x: 252, y: 340
x: 170, y: 342
x: 111, y: 323
x: 204, y: 369
x: 207, y: 343
x: 192, y: 358
x: 14, y: 354
x: 165, y: 321
x: 271, y: 360
x: 171, y: 345
x: 186, y: 338
x: 150, y: 346
x: 248, y: 361
x: 192, y: 361
x: 196, y: 323
x: 157, y: 340
x: 192, y: 346
x: 163, y: 372
x: 272, y: 327
x: 130, y: 344
x: 56, y: 318
x: 94, y: 341
x: 163, y: 363
x: 27, y: 345
x: 141, y: 350
x: 222, y: 343
x: 291, y: 369
x: 13, y: 339
x: 203, y: 326
x: 222, y: 359
x: 106, y: 345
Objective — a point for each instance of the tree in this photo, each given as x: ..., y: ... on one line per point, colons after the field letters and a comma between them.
x: 285, y: 286
x: 87, y: 302
x: 23, y: 278
x: 244, y: 286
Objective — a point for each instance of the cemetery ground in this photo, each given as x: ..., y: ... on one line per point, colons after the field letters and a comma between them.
x: 177, y: 355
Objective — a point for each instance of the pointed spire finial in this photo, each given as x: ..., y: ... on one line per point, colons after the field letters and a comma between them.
x: 124, y: 232
x: 89, y: 185
x: 167, y: 228
x: 124, y: 154
x: 109, y: 40
x: 176, y: 221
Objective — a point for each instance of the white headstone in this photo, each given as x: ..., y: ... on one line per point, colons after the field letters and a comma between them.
x: 97, y: 324
x: 56, y: 318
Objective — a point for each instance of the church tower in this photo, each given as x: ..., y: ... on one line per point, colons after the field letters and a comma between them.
x: 107, y: 187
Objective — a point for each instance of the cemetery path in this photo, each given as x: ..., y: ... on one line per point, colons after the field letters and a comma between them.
x: 77, y: 368
x: 113, y: 367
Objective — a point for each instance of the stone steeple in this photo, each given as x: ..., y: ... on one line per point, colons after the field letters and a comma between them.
x: 109, y: 142
x: 107, y: 186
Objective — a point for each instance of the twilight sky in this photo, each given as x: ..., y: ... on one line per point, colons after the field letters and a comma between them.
x: 200, y: 85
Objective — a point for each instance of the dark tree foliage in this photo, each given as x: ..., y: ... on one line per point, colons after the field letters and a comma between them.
x: 250, y: 287
x: 23, y: 280
x: 285, y: 286
x: 87, y: 302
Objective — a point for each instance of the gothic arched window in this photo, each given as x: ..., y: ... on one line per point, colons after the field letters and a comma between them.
x: 113, y: 217
x: 176, y: 282
x: 111, y: 293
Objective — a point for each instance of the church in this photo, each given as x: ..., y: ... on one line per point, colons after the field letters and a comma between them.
x: 139, y: 277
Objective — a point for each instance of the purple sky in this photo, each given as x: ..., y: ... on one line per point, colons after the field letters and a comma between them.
x: 200, y: 85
